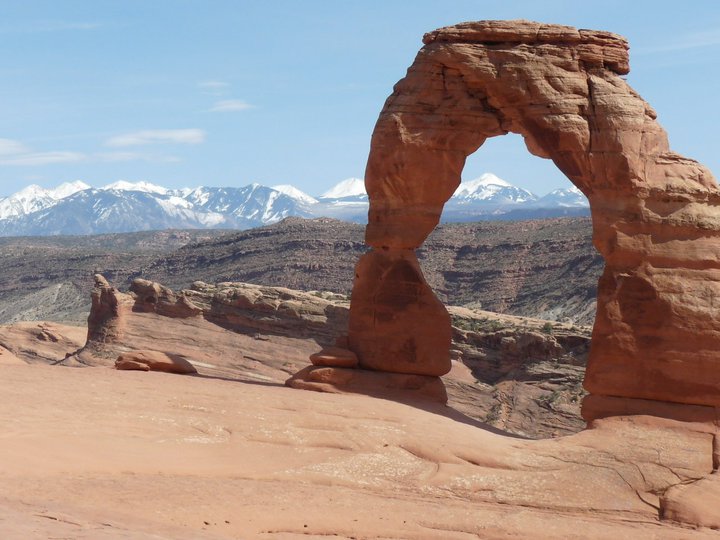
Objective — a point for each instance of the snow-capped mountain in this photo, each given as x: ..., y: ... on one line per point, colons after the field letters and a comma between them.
x: 145, y: 187
x: 488, y: 188
x: 66, y: 189
x: 348, y: 191
x: 570, y: 197
x: 77, y: 208
x: 255, y: 203
x: 125, y: 206
x: 295, y: 193
x: 34, y: 198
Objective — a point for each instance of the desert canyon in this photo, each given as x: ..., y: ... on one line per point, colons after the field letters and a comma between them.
x: 425, y: 421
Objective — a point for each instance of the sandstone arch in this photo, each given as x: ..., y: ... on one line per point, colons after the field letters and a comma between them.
x: 655, y: 213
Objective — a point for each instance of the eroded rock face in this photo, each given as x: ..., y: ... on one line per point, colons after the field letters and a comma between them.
x: 397, y: 323
x: 655, y: 213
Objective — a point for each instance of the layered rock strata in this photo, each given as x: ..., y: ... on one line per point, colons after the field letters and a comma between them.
x: 655, y: 213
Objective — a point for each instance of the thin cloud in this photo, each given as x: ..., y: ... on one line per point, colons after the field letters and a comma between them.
x: 695, y: 40
x: 158, y: 136
x: 42, y: 158
x: 113, y: 157
x: 9, y: 147
x: 14, y: 152
x: 214, y: 88
x: 230, y: 105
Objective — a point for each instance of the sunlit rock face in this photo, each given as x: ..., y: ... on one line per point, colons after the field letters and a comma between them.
x: 655, y: 213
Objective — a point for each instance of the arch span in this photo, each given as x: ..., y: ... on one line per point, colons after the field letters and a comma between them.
x: 655, y: 213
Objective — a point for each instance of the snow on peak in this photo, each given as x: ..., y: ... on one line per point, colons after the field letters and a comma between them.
x: 489, y: 188
x: 481, y: 183
x: 147, y: 187
x: 350, y: 187
x: 25, y: 201
x: 295, y: 193
x: 565, y: 192
x: 67, y: 188
x: 565, y: 197
x: 29, y: 192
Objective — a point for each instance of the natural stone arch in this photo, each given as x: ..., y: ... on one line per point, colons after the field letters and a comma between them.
x: 655, y: 213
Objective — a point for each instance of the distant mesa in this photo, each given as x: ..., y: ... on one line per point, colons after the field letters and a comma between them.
x: 77, y: 208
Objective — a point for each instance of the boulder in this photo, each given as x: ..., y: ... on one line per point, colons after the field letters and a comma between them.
x: 395, y: 386
x: 154, y: 361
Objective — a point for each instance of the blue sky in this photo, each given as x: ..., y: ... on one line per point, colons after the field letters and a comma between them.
x: 225, y: 93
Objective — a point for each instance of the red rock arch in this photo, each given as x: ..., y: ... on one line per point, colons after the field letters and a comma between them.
x: 655, y: 213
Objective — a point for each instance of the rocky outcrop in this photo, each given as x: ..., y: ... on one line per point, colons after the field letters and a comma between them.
x: 655, y: 214
x: 156, y: 298
x: 518, y: 374
x: 106, y: 322
x: 247, y: 308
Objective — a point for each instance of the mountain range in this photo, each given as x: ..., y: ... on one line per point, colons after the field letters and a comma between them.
x: 77, y: 208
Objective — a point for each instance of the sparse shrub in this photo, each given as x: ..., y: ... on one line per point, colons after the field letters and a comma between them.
x: 547, y: 328
x: 494, y: 326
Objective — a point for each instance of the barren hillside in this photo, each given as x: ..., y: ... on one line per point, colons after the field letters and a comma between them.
x: 545, y: 268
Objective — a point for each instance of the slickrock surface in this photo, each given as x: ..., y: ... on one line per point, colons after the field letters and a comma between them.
x: 655, y: 214
x: 94, y: 454
x: 39, y: 342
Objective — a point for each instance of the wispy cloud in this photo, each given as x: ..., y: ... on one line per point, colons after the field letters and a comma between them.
x: 694, y: 40
x: 230, y: 105
x: 42, y: 158
x: 214, y: 88
x: 9, y: 147
x: 112, y: 157
x: 158, y: 136
x: 14, y: 152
